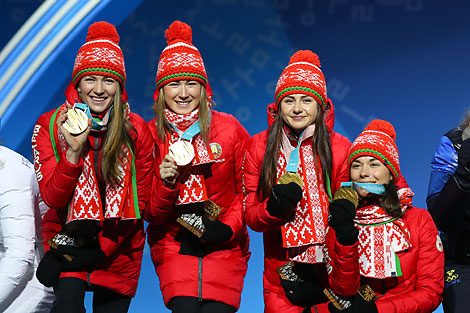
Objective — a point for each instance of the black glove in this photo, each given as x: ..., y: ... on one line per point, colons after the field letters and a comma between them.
x: 190, y: 244
x: 303, y: 293
x: 462, y: 173
x: 359, y: 305
x: 341, y: 216
x: 83, y: 257
x: 283, y: 197
x: 50, y: 267
x: 215, y: 231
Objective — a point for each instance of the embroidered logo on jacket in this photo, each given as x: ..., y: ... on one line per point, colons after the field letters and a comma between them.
x: 216, y: 149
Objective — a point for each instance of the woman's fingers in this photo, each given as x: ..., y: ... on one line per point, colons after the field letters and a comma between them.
x: 168, y: 171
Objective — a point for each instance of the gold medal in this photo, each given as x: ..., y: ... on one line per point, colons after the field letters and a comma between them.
x: 182, y: 152
x: 289, y: 177
x: 76, y: 122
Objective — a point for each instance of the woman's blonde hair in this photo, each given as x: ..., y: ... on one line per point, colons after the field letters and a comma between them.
x: 163, y: 126
x: 118, y: 133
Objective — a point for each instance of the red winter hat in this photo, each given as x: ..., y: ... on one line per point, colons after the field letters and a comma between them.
x: 100, y: 55
x: 302, y: 75
x: 377, y: 140
x: 180, y: 60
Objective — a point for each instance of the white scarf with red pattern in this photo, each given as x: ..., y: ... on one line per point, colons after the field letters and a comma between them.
x: 193, y: 187
x: 305, y: 235
x: 381, y: 236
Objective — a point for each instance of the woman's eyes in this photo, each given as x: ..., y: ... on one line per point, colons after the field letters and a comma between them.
x: 109, y: 81
x: 304, y: 101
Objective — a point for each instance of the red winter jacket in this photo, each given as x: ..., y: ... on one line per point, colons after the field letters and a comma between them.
x: 218, y: 275
x: 121, y: 240
x: 420, y: 287
x: 258, y: 218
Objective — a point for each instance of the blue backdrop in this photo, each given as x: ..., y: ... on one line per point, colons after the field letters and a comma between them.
x: 405, y: 61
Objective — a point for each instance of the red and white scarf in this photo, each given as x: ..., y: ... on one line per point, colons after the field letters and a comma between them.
x: 193, y: 187
x: 381, y: 236
x: 121, y: 199
x: 305, y: 235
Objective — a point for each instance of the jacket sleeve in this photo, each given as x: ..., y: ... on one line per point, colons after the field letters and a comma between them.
x: 144, y: 158
x: 256, y: 214
x: 340, y: 146
x: 17, y: 225
x: 57, y: 180
x: 343, y: 265
x: 144, y: 164
x: 233, y: 216
x: 162, y: 198
x: 445, y: 197
x: 427, y: 293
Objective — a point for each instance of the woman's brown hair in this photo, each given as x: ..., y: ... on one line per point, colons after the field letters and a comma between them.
x: 321, y: 147
x: 390, y: 201
x: 163, y: 126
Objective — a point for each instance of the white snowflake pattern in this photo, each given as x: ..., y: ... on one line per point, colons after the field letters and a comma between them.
x: 184, y: 59
x: 304, y: 76
x: 78, y: 60
x: 104, y: 55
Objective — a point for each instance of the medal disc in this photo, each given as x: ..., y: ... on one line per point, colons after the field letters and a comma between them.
x: 182, y: 152
x: 289, y: 177
x: 76, y: 122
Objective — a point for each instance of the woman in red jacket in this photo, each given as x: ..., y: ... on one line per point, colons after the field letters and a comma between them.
x: 386, y: 243
x: 198, y: 164
x: 94, y: 176
x: 289, y: 173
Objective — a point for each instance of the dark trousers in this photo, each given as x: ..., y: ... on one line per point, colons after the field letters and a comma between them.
x: 456, y: 287
x: 193, y: 305
x: 70, y: 294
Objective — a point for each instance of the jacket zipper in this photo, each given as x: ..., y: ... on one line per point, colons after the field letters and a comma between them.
x: 88, y: 280
x: 96, y: 156
x: 96, y: 171
x: 200, y: 279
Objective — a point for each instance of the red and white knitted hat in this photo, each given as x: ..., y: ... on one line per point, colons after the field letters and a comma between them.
x: 100, y: 55
x: 377, y: 140
x: 180, y: 60
x: 302, y: 75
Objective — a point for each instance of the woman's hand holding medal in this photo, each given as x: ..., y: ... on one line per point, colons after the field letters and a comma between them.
x: 169, y: 171
x: 180, y: 153
x: 75, y: 141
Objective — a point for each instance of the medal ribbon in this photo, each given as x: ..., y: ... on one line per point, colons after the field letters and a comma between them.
x: 372, y: 188
x: 192, y: 131
x: 294, y: 157
x: 96, y: 125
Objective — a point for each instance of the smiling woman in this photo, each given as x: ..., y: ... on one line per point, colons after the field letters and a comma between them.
x: 290, y: 171
x: 105, y: 167
x: 367, y: 169
x: 97, y: 92
x: 377, y: 239
x: 199, y: 159
x: 299, y: 111
x: 182, y: 96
